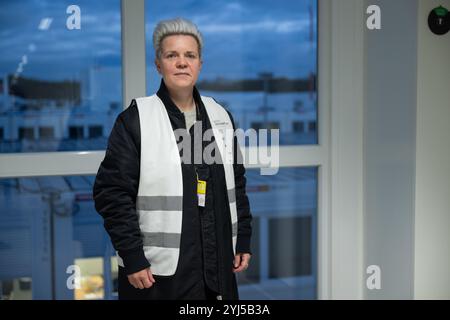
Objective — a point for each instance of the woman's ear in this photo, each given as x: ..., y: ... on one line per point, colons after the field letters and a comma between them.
x: 158, y: 65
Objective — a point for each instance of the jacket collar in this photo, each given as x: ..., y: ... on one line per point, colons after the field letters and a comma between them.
x: 163, y: 94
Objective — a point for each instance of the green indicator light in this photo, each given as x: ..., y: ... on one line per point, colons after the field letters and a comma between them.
x: 441, y: 11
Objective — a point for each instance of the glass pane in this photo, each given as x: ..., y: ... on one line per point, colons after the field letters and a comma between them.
x: 52, y: 241
x: 50, y: 234
x: 60, y: 74
x: 259, y: 60
x: 284, y: 242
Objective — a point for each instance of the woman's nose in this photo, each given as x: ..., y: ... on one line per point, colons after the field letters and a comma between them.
x: 181, y: 62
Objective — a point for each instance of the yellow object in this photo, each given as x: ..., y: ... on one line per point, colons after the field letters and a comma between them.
x: 201, y: 187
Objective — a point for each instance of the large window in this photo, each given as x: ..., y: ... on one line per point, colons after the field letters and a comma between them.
x: 284, y: 242
x: 60, y: 70
x: 259, y: 60
x: 49, y: 232
x: 49, y: 228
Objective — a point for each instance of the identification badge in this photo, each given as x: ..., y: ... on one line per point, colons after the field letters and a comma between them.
x: 201, y: 192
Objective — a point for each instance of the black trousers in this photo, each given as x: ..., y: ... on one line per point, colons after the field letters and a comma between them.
x: 162, y: 289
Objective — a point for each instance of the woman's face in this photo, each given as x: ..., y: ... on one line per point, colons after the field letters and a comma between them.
x: 180, y: 62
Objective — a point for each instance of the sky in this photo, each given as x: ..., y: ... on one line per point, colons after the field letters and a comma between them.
x: 241, y: 38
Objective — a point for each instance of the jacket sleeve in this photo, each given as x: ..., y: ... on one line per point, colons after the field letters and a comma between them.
x: 115, y: 190
x: 242, y: 203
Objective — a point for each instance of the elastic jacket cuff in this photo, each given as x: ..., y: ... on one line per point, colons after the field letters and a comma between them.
x: 134, y: 260
x: 243, y: 244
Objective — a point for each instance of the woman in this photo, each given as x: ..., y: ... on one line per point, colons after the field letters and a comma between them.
x: 181, y: 226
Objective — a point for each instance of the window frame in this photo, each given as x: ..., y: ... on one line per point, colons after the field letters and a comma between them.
x: 336, y: 33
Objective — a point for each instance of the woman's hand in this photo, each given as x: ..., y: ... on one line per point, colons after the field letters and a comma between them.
x: 141, y: 279
x: 241, y: 261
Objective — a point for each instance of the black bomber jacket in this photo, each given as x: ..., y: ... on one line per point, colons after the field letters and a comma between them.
x: 117, y: 181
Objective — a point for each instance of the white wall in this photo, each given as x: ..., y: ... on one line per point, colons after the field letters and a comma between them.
x: 346, y: 137
x: 432, y: 200
x: 389, y: 148
x: 407, y: 153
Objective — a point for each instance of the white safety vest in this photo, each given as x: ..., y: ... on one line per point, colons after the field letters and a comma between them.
x: 159, y: 202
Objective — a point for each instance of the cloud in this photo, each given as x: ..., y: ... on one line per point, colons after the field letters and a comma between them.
x: 286, y: 26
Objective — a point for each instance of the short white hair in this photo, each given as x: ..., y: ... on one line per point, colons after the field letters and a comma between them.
x: 174, y: 27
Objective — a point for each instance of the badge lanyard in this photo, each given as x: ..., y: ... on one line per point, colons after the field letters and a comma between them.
x: 201, y: 184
